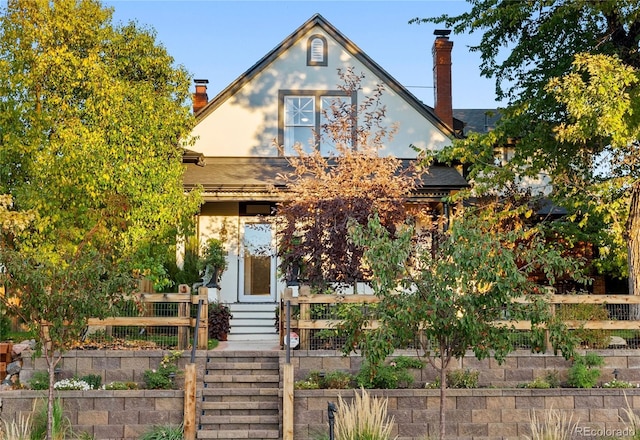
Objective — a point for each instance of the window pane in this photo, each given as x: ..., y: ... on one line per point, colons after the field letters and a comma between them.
x: 334, y: 108
x: 300, y: 135
x: 257, y: 275
x: 299, y: 110
x: 299, y: 122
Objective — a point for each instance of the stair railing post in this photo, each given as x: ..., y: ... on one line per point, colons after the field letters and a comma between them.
x: 331, y: 413
x: 288, y: 332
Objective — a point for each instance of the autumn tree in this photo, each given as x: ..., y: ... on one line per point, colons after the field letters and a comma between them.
x: 449, y: 292
x: 323, y: 193
x: 93, y: 117
x: 579, y: 137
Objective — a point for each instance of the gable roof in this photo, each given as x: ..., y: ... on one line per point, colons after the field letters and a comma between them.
x: 318, y: 20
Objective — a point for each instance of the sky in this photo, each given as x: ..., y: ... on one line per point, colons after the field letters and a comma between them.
x: 220, y: 40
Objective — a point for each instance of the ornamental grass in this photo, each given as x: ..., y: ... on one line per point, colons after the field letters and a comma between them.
x: 365, y: 418
x: 556, y: 425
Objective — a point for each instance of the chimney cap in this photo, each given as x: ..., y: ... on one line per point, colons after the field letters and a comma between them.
x: 442, y: 33
x: 201, y: 81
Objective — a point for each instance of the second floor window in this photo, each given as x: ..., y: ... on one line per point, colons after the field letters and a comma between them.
x: 303, y: 117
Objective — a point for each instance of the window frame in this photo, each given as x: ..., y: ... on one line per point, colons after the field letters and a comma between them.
x: 317, y: 95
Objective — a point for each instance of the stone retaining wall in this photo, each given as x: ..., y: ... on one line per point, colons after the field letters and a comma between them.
x: 104, y: 414
x: 111, y: 365
x: 519, y: 367
x: 493, y: 412
x: 479, y: 414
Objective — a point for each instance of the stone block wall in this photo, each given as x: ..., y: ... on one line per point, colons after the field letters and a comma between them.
x: 479, y: 414
x: 104, y: 414
x: 111, y: 365
x: 496, y: 411
x: 518, y: 368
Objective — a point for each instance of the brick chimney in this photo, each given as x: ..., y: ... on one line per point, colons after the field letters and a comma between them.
x: 443, y: 103
x: 200, y: 98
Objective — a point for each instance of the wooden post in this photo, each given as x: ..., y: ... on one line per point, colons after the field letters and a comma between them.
x: 189, y: 417
x: 547, y: 336
x: 305, y: 314
x: 287, y: 402
x: 183, y: 332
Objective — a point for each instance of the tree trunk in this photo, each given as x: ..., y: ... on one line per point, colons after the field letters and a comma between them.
x: 443, y: 398
x: 633, y: 248
x: 50, y: 395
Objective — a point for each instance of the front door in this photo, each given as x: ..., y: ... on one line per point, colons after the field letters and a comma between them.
x: 257, y: 271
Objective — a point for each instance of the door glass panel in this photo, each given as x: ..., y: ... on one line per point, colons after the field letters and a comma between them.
x: 258, y: 255
x: 257, y: 275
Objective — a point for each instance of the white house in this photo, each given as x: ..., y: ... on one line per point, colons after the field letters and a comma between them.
x: 279, y: 101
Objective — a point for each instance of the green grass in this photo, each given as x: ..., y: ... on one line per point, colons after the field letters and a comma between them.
x: 19, y: 336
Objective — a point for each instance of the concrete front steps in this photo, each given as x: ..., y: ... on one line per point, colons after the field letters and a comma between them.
x: 253, y: 322
x: 241, y: 398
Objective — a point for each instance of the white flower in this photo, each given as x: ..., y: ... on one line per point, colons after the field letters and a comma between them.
x: 71, y: 384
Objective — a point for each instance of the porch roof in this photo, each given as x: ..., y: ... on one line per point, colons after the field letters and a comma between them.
x: 258, y: 178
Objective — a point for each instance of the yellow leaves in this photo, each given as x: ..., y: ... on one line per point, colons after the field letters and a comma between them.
x: 13, y: 221
x: 600, y: 94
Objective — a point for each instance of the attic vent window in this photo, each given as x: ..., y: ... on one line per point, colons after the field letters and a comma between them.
x: 317, y: 51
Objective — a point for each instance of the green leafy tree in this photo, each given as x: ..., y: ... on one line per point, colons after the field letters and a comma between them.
x: 446, y: 291
x: 94, y: 118
x: 601, y: 94
x: 568, y: 72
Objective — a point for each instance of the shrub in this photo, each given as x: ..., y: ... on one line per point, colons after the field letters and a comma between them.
x: 462, y: 378
x: 39, y: 380
x: 219, y: 320
x: 364, y: 418
x: 549, y: 380
x: 386, y: 376
x: 338, y: 380
x: 583, y: 373
x: 162, y: 378
x: 306, y: 384
x: 168, y: 432
x: 94, y: 381
x: 121, y: 386
x: 537, y: 383
x: 408, y: 362
x: 5, y: 324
